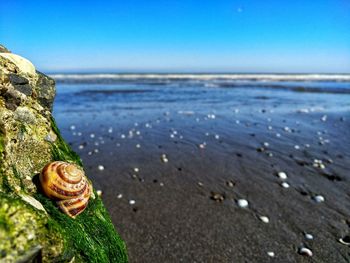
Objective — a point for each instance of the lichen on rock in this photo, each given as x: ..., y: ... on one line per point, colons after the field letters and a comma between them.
x: 31, y: 226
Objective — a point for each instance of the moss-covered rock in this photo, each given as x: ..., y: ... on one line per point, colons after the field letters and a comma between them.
x: 32, y: 228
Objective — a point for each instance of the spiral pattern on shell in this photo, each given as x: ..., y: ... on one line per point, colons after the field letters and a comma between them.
x: 67, y: 184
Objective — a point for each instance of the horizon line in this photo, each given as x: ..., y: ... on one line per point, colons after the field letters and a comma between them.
x: 88, y: 72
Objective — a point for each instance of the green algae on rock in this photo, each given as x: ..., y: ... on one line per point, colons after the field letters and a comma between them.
x: 32, y: 228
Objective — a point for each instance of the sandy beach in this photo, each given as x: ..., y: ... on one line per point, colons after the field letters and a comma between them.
x: 216, y: 170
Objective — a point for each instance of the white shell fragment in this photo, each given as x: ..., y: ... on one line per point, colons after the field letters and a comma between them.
x: 32, y: 201
x: 285, y: 185
x: 345, y: 240
x: 304, y: 251
x: 264, y: 219
x: 309, y: 236
x: 242, y: 203
x: 271, y: 254
x: 319, y: 199
x: 282, y: 175
x: 266, y: 144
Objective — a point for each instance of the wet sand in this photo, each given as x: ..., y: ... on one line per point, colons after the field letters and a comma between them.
x: 171, y: 175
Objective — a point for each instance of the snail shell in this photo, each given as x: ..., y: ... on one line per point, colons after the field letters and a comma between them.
x: 67, y: 184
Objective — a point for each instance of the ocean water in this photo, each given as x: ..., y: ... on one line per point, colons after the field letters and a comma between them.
x: 102, y: 96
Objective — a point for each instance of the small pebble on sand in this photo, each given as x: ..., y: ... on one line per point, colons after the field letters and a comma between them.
x: 100, y: 167
x: 211, y: 116
x: 318, y: 164
x: 264, y: 219
x: 308, y: 236
x: 285, y: 185
x: 164, y: 158
x: 287, y: 129
x: 304, y: 251
x: 230, y: 183
x: 282, y: 175
x: 202, y: 145
x: 217, y: 197
x: 319, y: 198
x: 242, y: 203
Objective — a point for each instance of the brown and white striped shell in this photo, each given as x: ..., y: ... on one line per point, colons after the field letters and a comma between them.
x: 67, y: 184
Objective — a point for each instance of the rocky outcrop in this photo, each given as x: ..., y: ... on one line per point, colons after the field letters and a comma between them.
x: 32, y: 228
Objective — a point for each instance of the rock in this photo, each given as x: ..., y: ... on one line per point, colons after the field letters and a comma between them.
x: 217, y: 197
x: 23, y: 65
x: 230, y: 183
x: 4, y: 49
x: 35, y: 230
x: 17, y: 79
x: 47, y: 92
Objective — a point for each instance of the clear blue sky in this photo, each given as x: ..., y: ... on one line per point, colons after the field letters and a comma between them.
x: 184, y: 35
